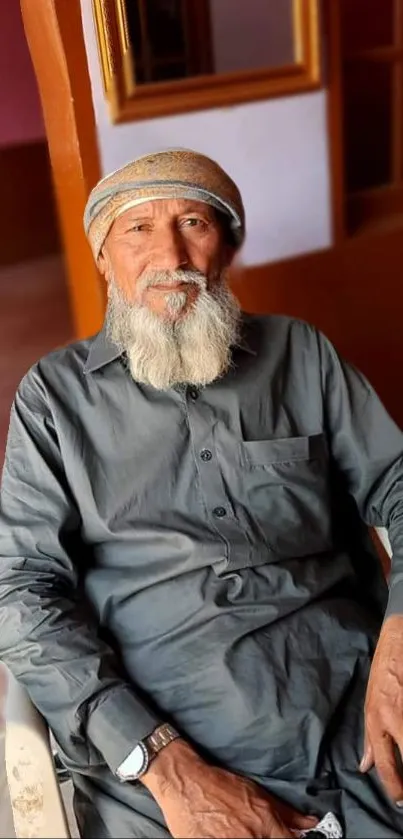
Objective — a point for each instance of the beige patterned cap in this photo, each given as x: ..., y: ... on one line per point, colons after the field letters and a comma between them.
x: 175, y: 173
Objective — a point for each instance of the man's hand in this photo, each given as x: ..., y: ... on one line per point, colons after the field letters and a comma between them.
x: 199, y: 800
x: 384, y: 709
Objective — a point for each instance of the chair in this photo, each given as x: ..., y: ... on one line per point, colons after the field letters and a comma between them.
x: 383, y: 537
x: 36, y: 801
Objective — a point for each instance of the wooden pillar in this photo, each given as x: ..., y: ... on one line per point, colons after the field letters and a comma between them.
x: 55, y: 39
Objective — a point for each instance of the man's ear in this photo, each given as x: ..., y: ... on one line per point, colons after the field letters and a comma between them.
x: 228, y: 254
x: 102, y: 261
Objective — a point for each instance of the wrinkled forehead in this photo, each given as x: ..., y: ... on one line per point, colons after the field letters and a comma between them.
x: 169, y: 208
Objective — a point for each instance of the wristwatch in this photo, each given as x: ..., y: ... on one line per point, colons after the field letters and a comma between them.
x: 138, y: 761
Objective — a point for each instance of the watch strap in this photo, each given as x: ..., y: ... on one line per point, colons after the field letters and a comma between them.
x: 139, y: 759
x: 160, y: 737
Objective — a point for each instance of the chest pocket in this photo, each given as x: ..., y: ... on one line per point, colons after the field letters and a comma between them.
x: 286, y: 482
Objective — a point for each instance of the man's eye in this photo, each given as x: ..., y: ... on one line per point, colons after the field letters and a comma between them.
x: 194, y: 222
x: 139, y: 227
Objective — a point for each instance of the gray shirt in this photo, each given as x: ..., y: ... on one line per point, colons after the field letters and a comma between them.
x: 197, y: 555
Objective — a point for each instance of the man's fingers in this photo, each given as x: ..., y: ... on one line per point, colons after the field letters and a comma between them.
x: 385, y: 762
x: 297, y: 821
x: 367, y: 761
x: 294, y: 819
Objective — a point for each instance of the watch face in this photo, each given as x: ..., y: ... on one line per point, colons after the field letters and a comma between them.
x: 134, y: 765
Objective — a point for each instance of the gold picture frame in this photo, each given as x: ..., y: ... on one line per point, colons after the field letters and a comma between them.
x: 128, y: 101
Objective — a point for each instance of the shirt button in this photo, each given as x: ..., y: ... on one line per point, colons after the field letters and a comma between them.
x: 206, y: 454
x: 220, y: 512
x: 193, y: 393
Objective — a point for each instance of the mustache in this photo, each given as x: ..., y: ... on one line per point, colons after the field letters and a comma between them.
x: 179, y: 276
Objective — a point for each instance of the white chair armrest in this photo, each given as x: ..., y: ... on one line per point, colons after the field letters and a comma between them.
x: 383, y: 537
x: 36, y: 801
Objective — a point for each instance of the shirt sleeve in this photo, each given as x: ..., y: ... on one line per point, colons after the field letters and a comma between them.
x: 47, y: 637
x: 367, y: 447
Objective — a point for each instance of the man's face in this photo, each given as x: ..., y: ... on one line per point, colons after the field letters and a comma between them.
x: 164, y: 236
x: 170, y: 309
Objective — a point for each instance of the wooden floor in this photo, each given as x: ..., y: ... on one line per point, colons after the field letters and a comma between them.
x: 34, y: 319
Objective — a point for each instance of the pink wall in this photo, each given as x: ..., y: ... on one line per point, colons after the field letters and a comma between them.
x: 20, y: 111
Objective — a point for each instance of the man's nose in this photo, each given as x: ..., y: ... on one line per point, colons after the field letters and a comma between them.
x: 170, y: 252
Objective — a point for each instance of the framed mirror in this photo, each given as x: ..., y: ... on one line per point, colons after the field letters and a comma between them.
x: 169, y: 56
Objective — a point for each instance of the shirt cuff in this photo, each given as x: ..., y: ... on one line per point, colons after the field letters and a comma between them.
x: 117, y: 723
x: 395, y: 600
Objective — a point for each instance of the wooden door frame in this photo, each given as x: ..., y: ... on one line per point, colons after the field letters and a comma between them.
x: 370, y: 209
x: 55, y: 38
x: 333, y: 80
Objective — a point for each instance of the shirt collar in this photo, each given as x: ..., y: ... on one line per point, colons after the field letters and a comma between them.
x: 103, y: 351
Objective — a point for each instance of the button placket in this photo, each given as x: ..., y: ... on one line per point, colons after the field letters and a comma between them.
x: 216, y: 500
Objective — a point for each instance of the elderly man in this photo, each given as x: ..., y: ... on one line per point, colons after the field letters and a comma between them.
x: 187, y: 587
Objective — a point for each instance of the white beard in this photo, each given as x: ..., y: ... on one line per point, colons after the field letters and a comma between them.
x: 195, y: 349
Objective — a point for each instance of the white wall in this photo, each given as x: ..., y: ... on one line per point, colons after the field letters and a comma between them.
x: 250, y: 35
x: 275, y: 150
